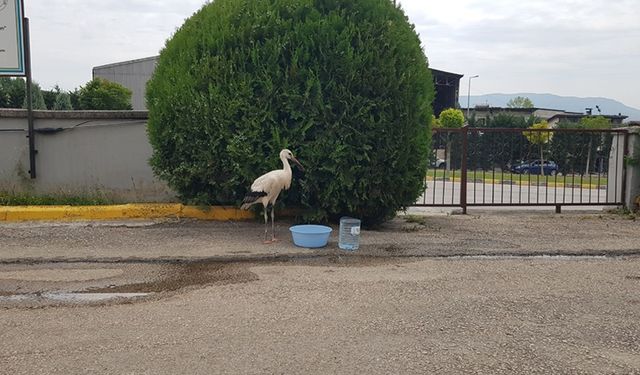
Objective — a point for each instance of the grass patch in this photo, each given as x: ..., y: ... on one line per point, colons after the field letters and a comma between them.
x: 417, y: 219
x: 26, y: 199
x: 625, y: 213
x: 472, y: 175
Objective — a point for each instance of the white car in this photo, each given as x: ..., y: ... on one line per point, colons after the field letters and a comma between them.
x: 439, y: 163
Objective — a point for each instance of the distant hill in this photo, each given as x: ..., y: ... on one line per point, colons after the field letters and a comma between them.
x: 567, y: 103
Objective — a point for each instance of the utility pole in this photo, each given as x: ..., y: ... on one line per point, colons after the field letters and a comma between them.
x: 469, y: 95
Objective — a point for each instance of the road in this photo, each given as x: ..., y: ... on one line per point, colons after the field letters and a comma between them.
x: 446, y: 192
x: 400, y: 316
x: 486, y: 293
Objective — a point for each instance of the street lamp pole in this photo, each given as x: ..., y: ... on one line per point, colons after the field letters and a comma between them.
x: 469, y: 94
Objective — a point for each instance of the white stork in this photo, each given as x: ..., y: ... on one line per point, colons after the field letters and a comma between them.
x: 266, y: 188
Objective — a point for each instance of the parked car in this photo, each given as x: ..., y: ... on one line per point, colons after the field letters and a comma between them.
x: 550, y: 167
x: 439, y: 163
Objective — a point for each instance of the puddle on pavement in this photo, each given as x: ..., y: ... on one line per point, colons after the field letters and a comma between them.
x: 69, y: 297
x: 82, y: 283
x: 34, y: 285
x: 56, y: 284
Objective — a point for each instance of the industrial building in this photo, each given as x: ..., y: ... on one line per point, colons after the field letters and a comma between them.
x: 132, y: 74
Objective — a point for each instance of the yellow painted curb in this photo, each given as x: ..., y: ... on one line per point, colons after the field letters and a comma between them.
x: 124, y: 211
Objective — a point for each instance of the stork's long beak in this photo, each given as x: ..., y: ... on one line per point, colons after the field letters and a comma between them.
x: 293, y: 159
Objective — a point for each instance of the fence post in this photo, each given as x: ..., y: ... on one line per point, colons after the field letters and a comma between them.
x: 625, y: 155
x: 463, y: 169
x: 631, y: 181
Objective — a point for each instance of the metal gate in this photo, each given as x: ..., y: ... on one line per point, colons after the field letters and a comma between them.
x: 526, y: 167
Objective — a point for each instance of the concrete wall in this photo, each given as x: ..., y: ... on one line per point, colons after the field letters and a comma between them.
x: 98, y: 152
x: 132, y: 74
x: 633, y: 171
x: 618, y: 166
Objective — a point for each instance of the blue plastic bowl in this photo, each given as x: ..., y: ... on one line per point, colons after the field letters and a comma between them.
x: 310, y: 235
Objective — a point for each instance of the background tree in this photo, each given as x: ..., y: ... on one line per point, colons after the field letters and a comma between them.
x: 591, y: 123
x: 49, y: 96
x: 568, y: 149
x: 344, y: 84
x: 450, y: 118
x: 489, y: 150
x: 62, y: 102
x: 102, y: 94
x: 539, y: 138
x: 74, y: 96
x: 520, y: 102
x: 37, y: 99
x: 12, y: 92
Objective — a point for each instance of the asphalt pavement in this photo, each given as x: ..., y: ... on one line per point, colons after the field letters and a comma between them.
x: 442, y: 234
x: 490, y: 292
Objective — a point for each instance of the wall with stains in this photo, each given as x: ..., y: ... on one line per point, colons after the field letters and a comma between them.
x: 94, y: 153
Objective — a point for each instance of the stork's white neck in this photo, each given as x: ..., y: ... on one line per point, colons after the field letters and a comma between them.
x: 285, y: 164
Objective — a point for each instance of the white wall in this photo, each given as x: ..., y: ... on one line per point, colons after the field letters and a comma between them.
x: 99, y: 152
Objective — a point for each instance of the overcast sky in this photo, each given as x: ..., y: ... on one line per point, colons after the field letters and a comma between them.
x: 564, y: 47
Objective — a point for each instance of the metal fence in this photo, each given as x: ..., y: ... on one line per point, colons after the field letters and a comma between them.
x: 526, y: 167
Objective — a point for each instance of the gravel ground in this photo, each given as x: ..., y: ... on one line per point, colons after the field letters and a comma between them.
x: 491, y: 233
x: 441, y: 316
x: 438, y: 294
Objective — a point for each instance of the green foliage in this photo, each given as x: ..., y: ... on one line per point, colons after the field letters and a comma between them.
x: 451, y: 118
x: 344, y: 84
x: 520, y: 102
x: 37, y: 99
x: 101, y: 94
x: 12, y: 92
x: 25, y: 199
x: 62, y: 102
x: 49, y: 97
x: 539, y: 137
x: 435, y: 123
x: 74, y: 96
x: 595, y: 122
x: 572, y: 150
x: 634, y: 158
x: 499, y: 150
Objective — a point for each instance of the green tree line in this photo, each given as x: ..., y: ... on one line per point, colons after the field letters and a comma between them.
x: 575, y: 152
x: 97, y: 94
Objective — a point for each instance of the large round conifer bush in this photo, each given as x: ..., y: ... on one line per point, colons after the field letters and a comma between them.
x: 344, y: 84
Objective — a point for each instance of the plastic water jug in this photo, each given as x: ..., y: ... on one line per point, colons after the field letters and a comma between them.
x: 349, y: 236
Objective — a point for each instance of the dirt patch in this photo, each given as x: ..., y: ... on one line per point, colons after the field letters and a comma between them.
x: 175, y: 277
x: 28, y: 285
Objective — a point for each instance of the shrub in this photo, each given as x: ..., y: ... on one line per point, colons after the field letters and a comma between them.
x: 344, y: 84
x: 101, y: 94
x: 451, y: 118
